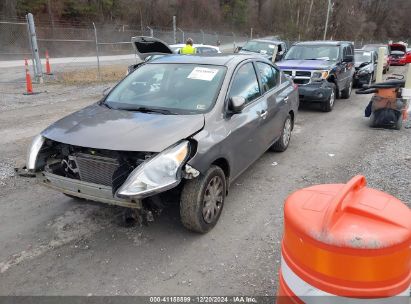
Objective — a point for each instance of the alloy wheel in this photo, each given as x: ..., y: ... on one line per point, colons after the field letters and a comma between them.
x: 287, y: 131
x: 213, y: 199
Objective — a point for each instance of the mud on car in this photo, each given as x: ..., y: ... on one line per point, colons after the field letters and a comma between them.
x: 185, y: 125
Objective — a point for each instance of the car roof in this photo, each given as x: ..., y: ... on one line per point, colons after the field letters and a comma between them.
x: 363, y: 51
x: 214, y: 59
x: 322, y: 42
x: 267, y: 40
x: 179, y: 45
x: 375, y: 45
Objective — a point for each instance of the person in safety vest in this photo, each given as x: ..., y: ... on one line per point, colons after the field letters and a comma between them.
x: 188, y: 49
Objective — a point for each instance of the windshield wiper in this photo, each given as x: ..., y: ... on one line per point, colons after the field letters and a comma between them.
x: 150, y: 110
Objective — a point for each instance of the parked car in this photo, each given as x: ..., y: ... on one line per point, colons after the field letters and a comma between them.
x: 365, y: 67
x: 187, y: 125
x: 173, y: 48
x: 375, y: 48
x: 399, y: 54
x: 323, y: 70
x: 200, y: 48
x: 264, y: 47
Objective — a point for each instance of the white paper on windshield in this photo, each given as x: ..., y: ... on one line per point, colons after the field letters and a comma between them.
x: 271, y: 46
x: 201, y: 73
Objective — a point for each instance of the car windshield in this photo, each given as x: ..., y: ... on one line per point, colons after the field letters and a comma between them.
x: 168, y: 89
x: 259, y: 47
x: 362, y: 56
x: 313, y: 52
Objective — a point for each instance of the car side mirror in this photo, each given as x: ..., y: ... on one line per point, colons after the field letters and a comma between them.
x: 348, y: 58
x: 236, y: 104
x: 106, y: 91
x: 237, y: 49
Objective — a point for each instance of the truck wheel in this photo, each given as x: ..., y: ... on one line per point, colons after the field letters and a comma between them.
x: 282, y: 143
x: 346, y: 93
x: 398, y: 125
x: 372, y: 120
x: 202, y: 200
x: 329, y: 104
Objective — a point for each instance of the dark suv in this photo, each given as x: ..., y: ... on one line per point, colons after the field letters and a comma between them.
x: 323, y: 70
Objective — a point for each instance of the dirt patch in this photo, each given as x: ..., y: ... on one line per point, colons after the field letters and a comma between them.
x: 90, y: 75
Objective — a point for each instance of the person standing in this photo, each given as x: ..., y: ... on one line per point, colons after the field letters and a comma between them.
x: 188, y: 49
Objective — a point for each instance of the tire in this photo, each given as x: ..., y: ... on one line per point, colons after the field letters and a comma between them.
x: 329, y: 104
x: 282, y: 143
x: 372, y: 120
x: 346, y: 93
x: 193, y: 203
x: 73, y: 197
x: 398, y: 125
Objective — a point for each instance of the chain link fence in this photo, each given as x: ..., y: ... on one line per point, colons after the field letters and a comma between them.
x: 102, y: 48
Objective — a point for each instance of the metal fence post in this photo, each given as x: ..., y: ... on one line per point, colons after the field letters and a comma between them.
x: 34, y: 48
x: 251, y: 33
x: 98, y: 59
x: 151, y: 31
x: 233, y: 42
x: 182, y: 32
x: 203, y: 35
x: 174, y: 29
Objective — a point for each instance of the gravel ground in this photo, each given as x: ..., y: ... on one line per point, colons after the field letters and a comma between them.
x: 54, y: 245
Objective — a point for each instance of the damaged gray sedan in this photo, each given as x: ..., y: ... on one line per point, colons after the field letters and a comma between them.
x: 184, y: 125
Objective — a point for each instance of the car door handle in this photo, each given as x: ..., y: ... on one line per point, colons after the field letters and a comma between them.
x: 263, y: 114
x: 286, y: 99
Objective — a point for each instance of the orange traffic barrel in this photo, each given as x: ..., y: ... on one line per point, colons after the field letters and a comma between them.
x: 346, y: 242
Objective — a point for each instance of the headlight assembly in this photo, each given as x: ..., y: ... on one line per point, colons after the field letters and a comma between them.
x: 33, y: 152
x: 319, y: 75
x: 160, y: 173
x: 364, y: 71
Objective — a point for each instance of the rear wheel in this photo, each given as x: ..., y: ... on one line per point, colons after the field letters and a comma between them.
x: 282, y: 143
x: 346, y: 93
x: 202, y: 200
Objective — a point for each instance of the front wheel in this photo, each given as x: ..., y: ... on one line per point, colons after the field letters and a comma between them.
x: 282, y: 143
x: 329, y: 104
x: 202, y: 200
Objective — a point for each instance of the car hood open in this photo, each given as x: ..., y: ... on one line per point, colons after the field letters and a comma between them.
x: 148, y: 46
x: 304, y: 64
x: 102, y: 128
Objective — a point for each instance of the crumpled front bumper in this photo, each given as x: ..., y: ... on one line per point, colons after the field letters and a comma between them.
x: 85, y: 190
x: 315, y: 91
x: 361, y: 79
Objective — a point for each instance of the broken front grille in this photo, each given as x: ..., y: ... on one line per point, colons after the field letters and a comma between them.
x: 96, y: 169
x: 303, y: 73
x: 301, y: 80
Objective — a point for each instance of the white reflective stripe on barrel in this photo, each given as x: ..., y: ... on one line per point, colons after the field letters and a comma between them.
x: 312, y: 295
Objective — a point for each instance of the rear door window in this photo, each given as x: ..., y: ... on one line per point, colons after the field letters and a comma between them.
x: 245, y: 83
x: 268, y: 75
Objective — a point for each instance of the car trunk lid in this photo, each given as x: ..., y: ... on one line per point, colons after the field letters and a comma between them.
x: 147, y: 46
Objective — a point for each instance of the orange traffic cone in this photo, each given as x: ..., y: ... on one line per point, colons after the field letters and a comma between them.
x: 29, y: 85
x: 344, y: 243
x: 48, y: 68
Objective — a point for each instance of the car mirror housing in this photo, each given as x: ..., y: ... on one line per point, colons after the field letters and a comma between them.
x: 236, y: 104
